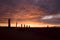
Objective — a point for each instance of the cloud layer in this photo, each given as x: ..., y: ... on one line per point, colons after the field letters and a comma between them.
x: 30, y: 10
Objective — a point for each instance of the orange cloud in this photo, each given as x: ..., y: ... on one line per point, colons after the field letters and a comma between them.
x: 27, y: 12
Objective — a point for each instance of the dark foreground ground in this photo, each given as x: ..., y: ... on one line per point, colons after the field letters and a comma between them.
x: 29, y: 33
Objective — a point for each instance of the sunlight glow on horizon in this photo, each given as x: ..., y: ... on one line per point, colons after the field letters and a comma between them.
x: 32, y: 24
x: 29, y: 23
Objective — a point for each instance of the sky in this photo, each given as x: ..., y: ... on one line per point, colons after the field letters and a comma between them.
x: 30, y: 12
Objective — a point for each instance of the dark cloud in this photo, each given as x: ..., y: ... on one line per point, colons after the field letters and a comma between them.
x: 51, y: 6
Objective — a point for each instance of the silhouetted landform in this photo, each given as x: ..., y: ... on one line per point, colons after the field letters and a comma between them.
x: 16, y: 33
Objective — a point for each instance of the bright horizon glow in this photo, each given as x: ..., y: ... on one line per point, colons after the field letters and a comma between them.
x: 32, y: 24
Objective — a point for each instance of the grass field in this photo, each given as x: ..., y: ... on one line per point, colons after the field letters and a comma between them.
x: 16, y: 33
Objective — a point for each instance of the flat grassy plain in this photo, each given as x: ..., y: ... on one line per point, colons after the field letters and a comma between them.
x: 17, y: 33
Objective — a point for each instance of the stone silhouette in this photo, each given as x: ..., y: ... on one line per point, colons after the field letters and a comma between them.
x: 9, y: 23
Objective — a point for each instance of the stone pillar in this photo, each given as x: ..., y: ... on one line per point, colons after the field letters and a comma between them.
x: 21, y: 25
x: 16, y: 24
x: 9, y: 23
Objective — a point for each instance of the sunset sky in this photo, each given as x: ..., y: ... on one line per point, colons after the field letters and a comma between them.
x: 37, y: 13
